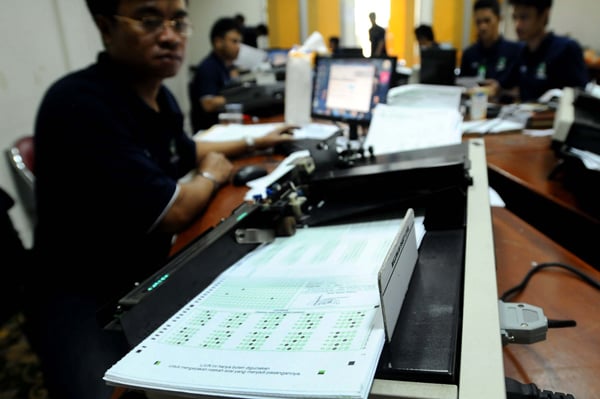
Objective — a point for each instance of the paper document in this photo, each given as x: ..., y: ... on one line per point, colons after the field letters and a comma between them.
x: 425, y: 96
x: 317, y: 131
x: 591, y: 160
x: 490, y: 126
x: 259, y: 186
x: 397, y: 128
x: 298, y: 317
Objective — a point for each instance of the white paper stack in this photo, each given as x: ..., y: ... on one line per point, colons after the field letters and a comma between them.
x: 298, y: 317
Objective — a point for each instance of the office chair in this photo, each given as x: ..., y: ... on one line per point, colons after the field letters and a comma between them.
x: 20, y: 159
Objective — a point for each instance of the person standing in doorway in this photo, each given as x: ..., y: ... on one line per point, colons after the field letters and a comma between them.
x: 377, y: 37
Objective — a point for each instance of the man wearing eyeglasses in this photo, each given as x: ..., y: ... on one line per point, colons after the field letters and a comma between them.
x: 213, y: 73
x: 98, y: 235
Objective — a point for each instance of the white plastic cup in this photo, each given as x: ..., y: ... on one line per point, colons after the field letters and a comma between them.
x: 479, y: 100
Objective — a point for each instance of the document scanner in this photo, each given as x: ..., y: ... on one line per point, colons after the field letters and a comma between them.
x: 257, y: 99
x: 427, y: 344
x: 576, y: 122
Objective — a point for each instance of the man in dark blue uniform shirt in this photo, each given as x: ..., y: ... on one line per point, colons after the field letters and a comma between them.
x: 214, y: 73
x: 425, y: 37
x: 492, y: 56
x: 110, y: 148
x: 547, y: 61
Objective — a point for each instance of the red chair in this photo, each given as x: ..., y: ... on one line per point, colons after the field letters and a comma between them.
x: 21, y: 163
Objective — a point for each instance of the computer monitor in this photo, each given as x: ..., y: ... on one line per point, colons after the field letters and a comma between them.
x: 348, y: 89
x: 349, y: 52
x: 277, y: 56
x: 437, y: 66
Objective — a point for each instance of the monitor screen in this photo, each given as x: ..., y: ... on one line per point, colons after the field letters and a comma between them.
x: 277, y: 56
x: 347, y: 89
x: 349, y: 52
x: 437, y: 66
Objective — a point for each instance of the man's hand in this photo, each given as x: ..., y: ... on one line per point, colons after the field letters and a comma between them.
x: 493, y: 87
x: 276, y: 136
x: 218, y: 165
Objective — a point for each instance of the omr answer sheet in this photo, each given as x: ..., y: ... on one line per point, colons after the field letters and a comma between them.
x: 298, y: 317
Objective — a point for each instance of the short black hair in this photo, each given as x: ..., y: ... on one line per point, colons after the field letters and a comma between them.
x: 262, y: 29
x: 107, y: 8
x: 424, y: 32
x: 222, y: 26
x: 491, y: 4
x: 540, y: 5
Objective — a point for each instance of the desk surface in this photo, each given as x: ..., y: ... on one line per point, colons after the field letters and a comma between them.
x: 567, y: 361
x: 530, y: 160
x: 562, y: 208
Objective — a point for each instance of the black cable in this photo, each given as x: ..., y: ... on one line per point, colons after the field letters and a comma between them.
x: 521, y: 286
x: 561, y: 323
x: 518, y: 390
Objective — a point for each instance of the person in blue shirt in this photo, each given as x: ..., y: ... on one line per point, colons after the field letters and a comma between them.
x: 110, y: 152
x: 547, y: 61
x: 492, y: 56
x: 213, y: 73
x: 425, y: 37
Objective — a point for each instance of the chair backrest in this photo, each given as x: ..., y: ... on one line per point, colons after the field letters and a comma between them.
x: 20, y: 158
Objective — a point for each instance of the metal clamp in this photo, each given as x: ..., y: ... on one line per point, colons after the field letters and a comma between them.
x: 254, y: 236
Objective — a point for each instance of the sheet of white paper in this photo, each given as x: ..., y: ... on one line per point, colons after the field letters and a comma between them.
x: 235, y: 131
x: 259, y: 186
x: 317, y: 131
x: 250, y: 57
x: 495, y: 125
x: 282, y: 322
x: 496, y: 199
x: 538, y: 132
x: 312, y: 251
x: 590, y: 160
x: 425, y: 96
x: 396, y: 128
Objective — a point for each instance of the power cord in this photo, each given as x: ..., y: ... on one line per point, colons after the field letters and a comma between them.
x: 532, y: 330
x: 537, y: 267
x: 522, y: 323
x: 519, y: 390
x: 541, y: 266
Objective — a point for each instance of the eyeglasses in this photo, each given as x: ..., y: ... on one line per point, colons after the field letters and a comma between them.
x: 152, y: 24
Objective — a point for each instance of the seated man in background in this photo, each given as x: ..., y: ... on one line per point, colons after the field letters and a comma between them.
x: 425, y: 37
x: 118, y: 127
x: 492, y: 56
x: 547, y: 61
x: 214, y: 73
x: 334, y: 44
x: 256, y: 36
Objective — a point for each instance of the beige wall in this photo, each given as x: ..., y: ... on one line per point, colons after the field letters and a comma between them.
x: 576, y: 18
